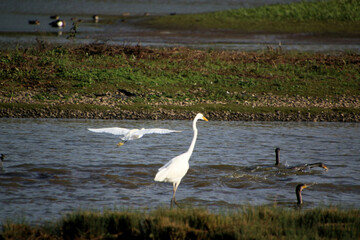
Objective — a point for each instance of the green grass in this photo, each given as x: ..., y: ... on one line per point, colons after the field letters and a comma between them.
x: 178, y: 75
x: 333, y: 16
x: 180, y: 79
x: 246, y: 223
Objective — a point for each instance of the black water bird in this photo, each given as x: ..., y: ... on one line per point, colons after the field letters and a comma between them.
x: 299, y: 167
x: 2, y: 158
x: 310, y: 165
x: 277, y: 155
x: 298, y: 190
x: 34, y: 22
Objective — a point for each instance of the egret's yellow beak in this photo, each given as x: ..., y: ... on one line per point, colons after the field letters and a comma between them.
x: 205, y: 119
x: 120, y: 144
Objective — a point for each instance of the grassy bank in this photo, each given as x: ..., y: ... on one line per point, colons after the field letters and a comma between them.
x: 333, y: 16
x: 246, y: 223
x: 102, y: 78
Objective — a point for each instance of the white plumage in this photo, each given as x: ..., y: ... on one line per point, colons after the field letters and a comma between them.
x: 176, y: 168
x: 131, y: 134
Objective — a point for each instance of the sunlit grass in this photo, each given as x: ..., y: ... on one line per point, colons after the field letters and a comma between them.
x: 177, y: 79
x: 180, y: 74
x: 333, y: 16
x: 189, y: 223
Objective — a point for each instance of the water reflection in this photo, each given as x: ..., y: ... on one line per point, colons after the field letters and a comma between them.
x: 54, y: 166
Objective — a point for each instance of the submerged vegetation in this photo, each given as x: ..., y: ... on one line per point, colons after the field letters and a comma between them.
x: 246, y: 223
x: 333, y: 16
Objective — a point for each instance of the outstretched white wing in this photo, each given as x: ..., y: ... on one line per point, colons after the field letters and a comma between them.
x: 112, y: 130
x: 155, y: 130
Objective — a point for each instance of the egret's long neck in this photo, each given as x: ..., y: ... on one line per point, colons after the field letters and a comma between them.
x: 192, y: 145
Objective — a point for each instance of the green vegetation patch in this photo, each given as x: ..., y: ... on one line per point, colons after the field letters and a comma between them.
x: 189, y: 223
x: 99, y: 77
x: 178, y: 74
x: 334, y: 16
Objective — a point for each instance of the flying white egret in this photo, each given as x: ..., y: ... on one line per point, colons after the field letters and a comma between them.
x: 177, y: 167
x: 131, y: 134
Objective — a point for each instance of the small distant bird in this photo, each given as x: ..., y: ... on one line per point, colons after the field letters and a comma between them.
x: 131, y: 134
x: 76, y: 20
x: 298, y: 190
x: 34, y: 22
x: 176, y: 168
x: 96, y: 18
x: 58, y: 23
x: 300, y: 167
x: 54, y: 17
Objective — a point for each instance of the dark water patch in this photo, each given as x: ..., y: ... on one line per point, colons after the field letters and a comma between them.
x: 18, y: 179
x: 61, y: 181
x: 25, y: 165
x: 10, y: 184
x: 202, y: 184
x: 120, y: 181
x: 221, y: 167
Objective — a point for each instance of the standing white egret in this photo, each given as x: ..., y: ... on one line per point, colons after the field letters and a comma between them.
x: 177, y: 167
x: 131, y: 134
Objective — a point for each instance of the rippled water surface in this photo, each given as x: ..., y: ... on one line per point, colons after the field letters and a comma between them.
x: 55, y: 166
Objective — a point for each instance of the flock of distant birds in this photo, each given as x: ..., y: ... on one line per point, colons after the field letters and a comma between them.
x: 60, y: 23
x: 177, y: 167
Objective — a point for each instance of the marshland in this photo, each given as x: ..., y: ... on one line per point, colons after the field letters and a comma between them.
x: 266, y: 76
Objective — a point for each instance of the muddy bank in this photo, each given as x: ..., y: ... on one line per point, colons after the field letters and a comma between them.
x: 263, y: 107
x: 165, y: 114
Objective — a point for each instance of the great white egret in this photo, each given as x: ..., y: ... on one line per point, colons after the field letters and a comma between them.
x: 176, y: 168
x: 300, y: 167
x: 131, y: 134
x: 298, y: 190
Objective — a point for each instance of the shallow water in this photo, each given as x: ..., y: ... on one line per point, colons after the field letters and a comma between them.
x: 55, y: 166
x: 15, y: 30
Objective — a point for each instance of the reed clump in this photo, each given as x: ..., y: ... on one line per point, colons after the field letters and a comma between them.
x: 249, y: 222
